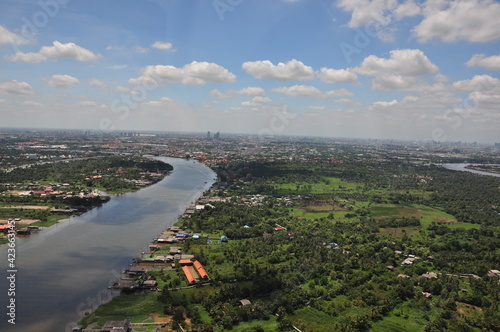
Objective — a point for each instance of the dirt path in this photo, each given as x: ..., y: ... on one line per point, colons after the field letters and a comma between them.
x: 159, y: 319
x: 21, y: 222
x: 28, y: 207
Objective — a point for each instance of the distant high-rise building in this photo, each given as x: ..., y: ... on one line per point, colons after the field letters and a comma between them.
x: 217, y: 136
x: 208, y: 136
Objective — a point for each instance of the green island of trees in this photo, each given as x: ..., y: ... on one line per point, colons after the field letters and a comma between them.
x: 316, y: 246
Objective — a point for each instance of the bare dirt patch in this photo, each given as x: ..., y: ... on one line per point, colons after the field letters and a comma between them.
x: 159, y: 319
x: 21, y: 222
x: 446, y: 220
x: 26, y: 207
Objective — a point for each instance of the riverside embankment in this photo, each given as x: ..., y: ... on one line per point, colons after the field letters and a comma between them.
x: 64, y: 271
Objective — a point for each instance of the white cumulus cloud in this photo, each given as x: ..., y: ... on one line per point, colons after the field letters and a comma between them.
x: 389, y: 82
x: 98, y: 83
x: 8, y: 37
x: 384, y: 104
x: 248, y: 91
x: 379, y: 15
x: 311, y: 91
x: 256, y: 101
x: 163, y: 46
x: 68, y: 51
x: 329, y: 75
x: 57, y: 50
x: 194, y: 73
x: 450, y: 21
x: 15, y: 88
x: 219, y: 95
x: 478, y: 83
x: 252, y: 91
x: 27, y: 57
x: 481, y: 60
x: 484, y: 91
x: 62, y: 81
x: 400, y: 71
x: 366, y: 11
x: 406, y: 9
x: 290, y: 71
x: 409, y: 62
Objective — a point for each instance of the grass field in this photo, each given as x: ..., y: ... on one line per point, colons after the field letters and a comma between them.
x: 335, y: 211
x: 398, y: 233
x: 267, y: 325
x: 327, y: 185
x: 314, y: 319
x: 394, y: 323
x: 425, y: 214
x: 137, y: 308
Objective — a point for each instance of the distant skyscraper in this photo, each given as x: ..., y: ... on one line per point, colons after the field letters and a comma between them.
x: 217, y: 136
x: 208, y: 135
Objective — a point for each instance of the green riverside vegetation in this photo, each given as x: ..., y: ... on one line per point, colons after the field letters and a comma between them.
x: 324, y: 246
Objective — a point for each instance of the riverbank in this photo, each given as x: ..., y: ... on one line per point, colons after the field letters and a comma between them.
x: 464, y: 167
x: 147, y: 275
x: 493, y: 169
x: 66, y: 269
x: 44, y: 197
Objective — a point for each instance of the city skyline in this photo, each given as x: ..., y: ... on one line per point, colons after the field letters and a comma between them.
x: 412, y: 70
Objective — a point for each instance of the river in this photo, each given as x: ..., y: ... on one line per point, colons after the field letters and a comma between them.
x: 461, y: 167
x: 64, y: 270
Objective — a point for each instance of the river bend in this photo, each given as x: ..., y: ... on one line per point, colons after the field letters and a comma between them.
x: 65, y: 269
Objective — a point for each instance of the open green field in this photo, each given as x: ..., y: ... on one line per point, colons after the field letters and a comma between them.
x: 269, y: 325
x: 425, y: 214
x: 399, y: 232
x: 393, y: 323
x: 411, y: 316
x: 136, y: 308
x: 314, y: 319
x: 326, y: 185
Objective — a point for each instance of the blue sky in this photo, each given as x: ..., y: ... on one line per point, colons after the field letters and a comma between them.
x: 407, y: 69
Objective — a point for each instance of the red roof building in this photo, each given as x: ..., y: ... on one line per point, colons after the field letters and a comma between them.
x: 189, y: 275
x: 201, y: 271
x: 185, y: 262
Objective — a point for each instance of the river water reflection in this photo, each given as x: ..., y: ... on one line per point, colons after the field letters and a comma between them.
x: 461, y: 167
x: 64, y: 270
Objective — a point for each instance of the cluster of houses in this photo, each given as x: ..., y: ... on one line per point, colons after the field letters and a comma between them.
x: 35, y: 189
x: 202, y: 203
x: 6, y: 228
x: 410, y: 259
x: 172, y: 235
x: 154, y: 259
x: 147, y: 179
x: 54, y: 189
x: 135, y: 278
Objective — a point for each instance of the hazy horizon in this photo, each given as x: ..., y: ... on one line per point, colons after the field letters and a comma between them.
x: 403, y: 70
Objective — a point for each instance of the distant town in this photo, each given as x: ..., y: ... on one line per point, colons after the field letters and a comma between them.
x: 289, y: 234
x: 21, y: 147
